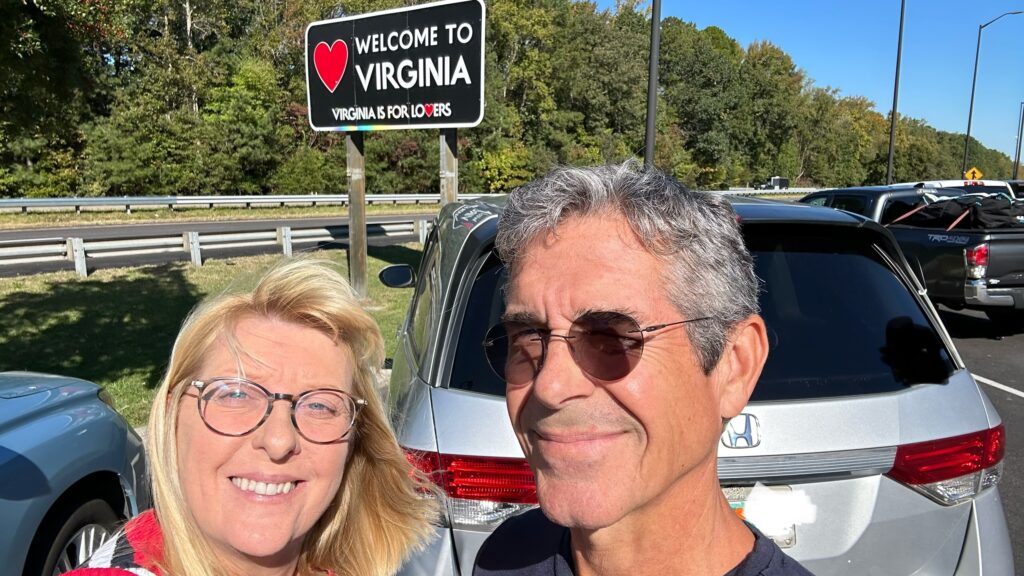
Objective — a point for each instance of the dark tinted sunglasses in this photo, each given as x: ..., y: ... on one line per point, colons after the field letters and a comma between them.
x: 605, y: 345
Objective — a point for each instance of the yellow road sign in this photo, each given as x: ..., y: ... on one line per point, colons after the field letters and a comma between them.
x: 973, y: 174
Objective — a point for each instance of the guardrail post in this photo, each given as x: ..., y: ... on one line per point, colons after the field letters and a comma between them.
x: 284, y: 238
x: 420, y: 228
x: 190, y: 242
x: 76, y: 252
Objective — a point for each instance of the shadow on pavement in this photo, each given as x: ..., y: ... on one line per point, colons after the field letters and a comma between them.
x: 965, y: 324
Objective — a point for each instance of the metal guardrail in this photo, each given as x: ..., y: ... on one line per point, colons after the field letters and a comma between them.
x: 193, y: 244
x: 126, y: 203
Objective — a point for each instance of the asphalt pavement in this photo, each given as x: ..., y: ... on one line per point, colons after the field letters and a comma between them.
x: 337, y: 226
x: 996, y: 358
x: 113, y: 231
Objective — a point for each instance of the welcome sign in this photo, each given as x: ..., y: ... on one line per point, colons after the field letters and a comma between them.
x: 418, y: 67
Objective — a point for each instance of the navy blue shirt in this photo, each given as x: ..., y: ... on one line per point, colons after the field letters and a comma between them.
x: 532, y: 545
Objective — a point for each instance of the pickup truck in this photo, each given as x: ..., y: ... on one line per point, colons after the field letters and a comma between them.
x: 973, y: 268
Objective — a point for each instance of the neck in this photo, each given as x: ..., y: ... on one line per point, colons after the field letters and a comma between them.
x: 688, y: 530
x: 283, y: 564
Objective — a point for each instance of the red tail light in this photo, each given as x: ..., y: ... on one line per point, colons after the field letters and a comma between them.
x: 478, y: 478
x: 954, y: 469
x: 937, y: 460
x: 977, y: 255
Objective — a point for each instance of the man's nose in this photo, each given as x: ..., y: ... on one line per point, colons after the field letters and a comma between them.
x: 560, y: 379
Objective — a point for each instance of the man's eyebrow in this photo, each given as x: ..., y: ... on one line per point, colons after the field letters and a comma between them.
x: 528, y: 318
x: 624, y: 311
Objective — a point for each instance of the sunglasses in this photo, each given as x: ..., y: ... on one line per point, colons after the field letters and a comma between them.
x: 605, y: 345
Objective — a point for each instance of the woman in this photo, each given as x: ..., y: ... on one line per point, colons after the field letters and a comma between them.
x: 269, y: 450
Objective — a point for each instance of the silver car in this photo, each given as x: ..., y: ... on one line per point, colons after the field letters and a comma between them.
x: 867, y: 447
x: 71, y: 470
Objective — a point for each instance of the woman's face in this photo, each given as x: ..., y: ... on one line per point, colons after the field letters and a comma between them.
x: 219, y: 473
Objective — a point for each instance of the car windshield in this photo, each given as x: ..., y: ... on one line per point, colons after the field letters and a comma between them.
x: 840, y: 322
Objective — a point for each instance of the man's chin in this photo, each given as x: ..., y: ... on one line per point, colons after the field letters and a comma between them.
x: 580, y: 506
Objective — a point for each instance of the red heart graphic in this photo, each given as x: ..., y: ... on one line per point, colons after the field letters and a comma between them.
x: 330, y: 62
x: 429, y: 109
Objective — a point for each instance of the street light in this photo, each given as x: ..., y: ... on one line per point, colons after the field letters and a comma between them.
x: 974, y: 81
x: 1020, y: 133
x: 895, y: 96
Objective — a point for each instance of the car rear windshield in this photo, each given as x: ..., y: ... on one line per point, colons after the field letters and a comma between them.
x: 840, y: 322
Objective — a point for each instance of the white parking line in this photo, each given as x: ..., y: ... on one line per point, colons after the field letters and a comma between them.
x: 995, y: 384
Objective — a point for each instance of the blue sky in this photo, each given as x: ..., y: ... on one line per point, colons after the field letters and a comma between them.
x: 851, y: 46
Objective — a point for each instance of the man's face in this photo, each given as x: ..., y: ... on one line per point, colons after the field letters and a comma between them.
x: 604, y: 450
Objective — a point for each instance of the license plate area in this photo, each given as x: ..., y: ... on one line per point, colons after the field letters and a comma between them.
x: 766, y: 497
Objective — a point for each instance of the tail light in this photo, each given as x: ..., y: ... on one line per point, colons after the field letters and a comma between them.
x: 977, y: 260
x: 952, y: 470
x: 481, y: 491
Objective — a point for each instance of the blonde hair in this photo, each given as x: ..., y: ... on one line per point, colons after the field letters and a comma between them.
x: 379, y: 514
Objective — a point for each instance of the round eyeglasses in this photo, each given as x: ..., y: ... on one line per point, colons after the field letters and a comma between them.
x: 236, y: 407
x: 605, y: 345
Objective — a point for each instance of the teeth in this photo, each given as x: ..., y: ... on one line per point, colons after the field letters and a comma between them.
x: 262, y: 488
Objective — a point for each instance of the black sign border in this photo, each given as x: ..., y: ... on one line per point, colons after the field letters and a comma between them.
x: 357, y: 128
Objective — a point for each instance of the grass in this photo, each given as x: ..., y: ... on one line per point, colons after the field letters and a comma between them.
x: 54, y: 218
x: 117, y: 326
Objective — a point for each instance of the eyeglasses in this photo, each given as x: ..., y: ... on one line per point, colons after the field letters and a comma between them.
x: 236, y: 407
x: 605, y: 345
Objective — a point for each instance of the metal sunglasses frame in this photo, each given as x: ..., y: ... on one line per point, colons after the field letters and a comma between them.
x: 545, y: 336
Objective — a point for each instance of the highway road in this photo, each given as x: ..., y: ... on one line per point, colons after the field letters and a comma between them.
x: 996, y: 359
x: 337, y: 226
x: 170, y: 228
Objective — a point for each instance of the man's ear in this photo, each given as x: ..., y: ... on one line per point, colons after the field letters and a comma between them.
x: 740, y: 365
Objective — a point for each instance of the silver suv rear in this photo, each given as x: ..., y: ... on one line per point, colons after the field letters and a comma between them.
x: 865, y: 424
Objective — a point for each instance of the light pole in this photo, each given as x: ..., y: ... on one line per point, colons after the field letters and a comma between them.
x: 1020, y: 133
x: 895, y: 96
x: 652, y: 84
x: 974, y: 82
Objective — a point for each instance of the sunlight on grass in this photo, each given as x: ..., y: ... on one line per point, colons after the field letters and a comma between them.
x: 117, y: 326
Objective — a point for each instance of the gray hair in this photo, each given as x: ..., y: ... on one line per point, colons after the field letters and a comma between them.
x: 709, y: 271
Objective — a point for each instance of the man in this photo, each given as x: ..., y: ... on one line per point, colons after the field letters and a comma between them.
x: 631, y: 334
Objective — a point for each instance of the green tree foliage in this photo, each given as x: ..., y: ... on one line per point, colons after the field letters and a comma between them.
x: 191, y: 97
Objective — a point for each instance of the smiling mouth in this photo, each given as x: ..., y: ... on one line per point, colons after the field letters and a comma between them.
x: 574, y: 437
x: 263, y: 488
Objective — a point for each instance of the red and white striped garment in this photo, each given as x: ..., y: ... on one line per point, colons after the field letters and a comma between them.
x: 134, y: 551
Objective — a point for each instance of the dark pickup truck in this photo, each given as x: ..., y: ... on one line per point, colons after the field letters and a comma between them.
x: 975, y: 268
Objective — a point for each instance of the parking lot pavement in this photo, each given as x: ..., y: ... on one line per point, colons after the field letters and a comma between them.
x: 995, y: 358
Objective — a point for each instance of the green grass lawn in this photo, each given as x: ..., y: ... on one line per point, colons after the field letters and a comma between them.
x: 117, y: 326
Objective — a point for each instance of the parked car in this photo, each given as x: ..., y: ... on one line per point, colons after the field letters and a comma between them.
x: 864, y: 410
x: 962, y: 267
x: 883, y: 204
x: 71, y: 469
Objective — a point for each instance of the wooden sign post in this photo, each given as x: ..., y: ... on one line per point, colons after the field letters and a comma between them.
x: 355, y: 171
